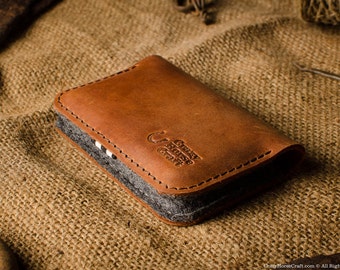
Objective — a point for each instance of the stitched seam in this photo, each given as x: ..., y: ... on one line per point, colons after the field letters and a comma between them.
x: 226, y: 172
x: 131, y: 159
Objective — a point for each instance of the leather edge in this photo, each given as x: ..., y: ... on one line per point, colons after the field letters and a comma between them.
x: 161, y: 186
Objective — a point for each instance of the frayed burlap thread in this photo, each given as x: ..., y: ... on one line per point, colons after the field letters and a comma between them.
x: 321, y: 11
x: 58, y: 211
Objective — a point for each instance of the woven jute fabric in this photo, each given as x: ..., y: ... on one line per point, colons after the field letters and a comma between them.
x: 321, y: 11
x: 59, y: 211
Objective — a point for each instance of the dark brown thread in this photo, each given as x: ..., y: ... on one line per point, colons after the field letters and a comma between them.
x: 127, y: 156
x: 318, y: 72
x: 220, y: 175
x: 199, y: 7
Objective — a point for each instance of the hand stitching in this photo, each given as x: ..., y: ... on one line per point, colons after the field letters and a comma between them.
x: 135, y: 163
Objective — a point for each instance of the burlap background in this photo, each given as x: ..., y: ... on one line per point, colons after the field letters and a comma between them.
x: 58, y: 211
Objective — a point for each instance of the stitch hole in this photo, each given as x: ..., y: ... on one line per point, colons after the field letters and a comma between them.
x: 239, y: 166
x: 223, y: 174
x: 253, y: 159
x: 267, y: 153
x: 231, y: 170
x: 261, y: 156
x: 217, y: 176
x: 247, y: 163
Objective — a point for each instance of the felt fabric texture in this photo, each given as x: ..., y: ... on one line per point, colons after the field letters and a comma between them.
x: 59, y: 211
x: 181, y: 209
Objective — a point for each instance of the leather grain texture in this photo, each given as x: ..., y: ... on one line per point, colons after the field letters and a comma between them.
x: 174, y: 133
x: 169, y: 128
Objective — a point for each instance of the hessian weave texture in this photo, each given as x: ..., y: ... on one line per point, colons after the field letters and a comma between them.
x: 58, y: 211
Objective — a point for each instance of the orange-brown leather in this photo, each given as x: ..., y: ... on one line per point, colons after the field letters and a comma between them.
x: 169, y: 128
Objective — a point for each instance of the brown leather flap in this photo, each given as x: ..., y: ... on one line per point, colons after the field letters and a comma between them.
x: 170, y: 129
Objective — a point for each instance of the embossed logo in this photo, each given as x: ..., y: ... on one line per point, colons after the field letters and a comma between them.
x: 173, y: 150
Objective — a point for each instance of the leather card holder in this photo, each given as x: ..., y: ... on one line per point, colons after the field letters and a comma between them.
x: 175, y: 145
